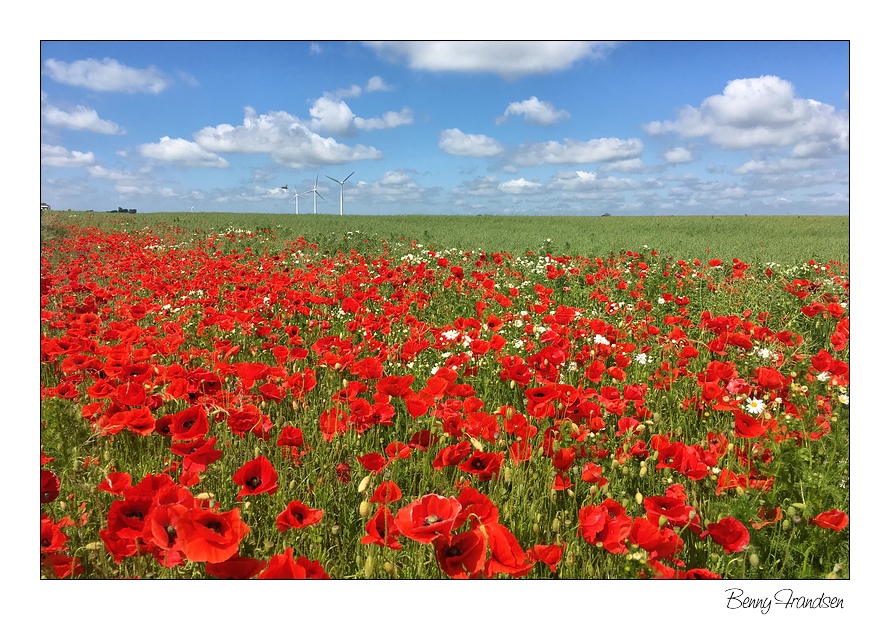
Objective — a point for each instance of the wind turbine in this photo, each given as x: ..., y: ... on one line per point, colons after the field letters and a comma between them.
x: 192, y: 208
x: 341, y: 188
x: 315, y: 197
x: 295, y: 197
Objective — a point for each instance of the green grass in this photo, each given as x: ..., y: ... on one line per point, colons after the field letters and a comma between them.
x: 780, y: 239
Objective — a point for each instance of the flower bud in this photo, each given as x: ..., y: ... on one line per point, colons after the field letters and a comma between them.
x: 256, y: 451
x: 364, y: 509
x: 536, y: 528
x: 363, y: 484
x: 662, y: 520
x: 638, y: 497
x: 555, y: 525
x: 390, y: 568
x: 754, y: 560
x: 370, y: 565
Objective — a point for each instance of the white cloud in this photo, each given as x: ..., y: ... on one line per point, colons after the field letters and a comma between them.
x: 80, y: 118
x: 53, y: 155
x: 100, y: 172
x: 678, y: 155
x: 586, y: 181
x: 577, y: 152
x: 375, y: 84
x: 777, y: 166
x: 456, y: 142
x: 181, y: 151
x: 336, y: 117
x: 107, y: 75
x: 394, y: 187
x: 331, y: 116
x: 519, y: 187
x: 536, y: 112
x: 761, y: 112
x: 387, y: 121
x: 284, y: 137
x: 508, y: 59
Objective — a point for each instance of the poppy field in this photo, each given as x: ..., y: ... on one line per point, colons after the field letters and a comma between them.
x: 223, y: 402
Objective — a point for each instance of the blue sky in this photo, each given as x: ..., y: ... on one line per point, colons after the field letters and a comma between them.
x: 524, y: 128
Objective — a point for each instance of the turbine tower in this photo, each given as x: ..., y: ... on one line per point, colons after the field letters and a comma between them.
x: 341, y: 188
x: 191, y: 209
x: 315, y: 197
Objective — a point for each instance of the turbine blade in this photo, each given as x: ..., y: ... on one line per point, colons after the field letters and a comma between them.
x: 331, y: 178
x: 319, y: 194
x: 348, y: 176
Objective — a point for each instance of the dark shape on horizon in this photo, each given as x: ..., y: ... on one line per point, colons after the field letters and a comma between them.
x: 606, y: 214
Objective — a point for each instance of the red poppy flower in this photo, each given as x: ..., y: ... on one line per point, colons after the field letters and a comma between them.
x: 190, y: 424
x: 426, y: 518
x: 116, y: 482
x: 235, y: 568
x: 766, y: 517
x: 606, y: 525
x: 452, y: 455
x: 207, y: 536
x: 832, y: 519
x: 296, y: 516
x: 476, y: 508
x: 729, y: 533
x: 49, y: 486
x: 290, y: 436
x: 484, y: 465
x: 284, y: 567
x: 507, y: 556
x: 386, y: 492
x: 548, y: 554
x: 461, y: 556
x: 257, y: 476
x: 660, y: 542
x: 382, y: 530
x: 197, y: 455
x: 374, y: 462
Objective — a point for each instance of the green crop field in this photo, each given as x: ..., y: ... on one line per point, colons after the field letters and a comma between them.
x: 780, y: 239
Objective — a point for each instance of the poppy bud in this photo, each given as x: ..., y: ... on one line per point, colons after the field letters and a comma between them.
x: 204, y: 496
x: 363, y: 484
x: 507, y: 474
x: 256, y: 451
x: 754, y: 559
x: 625, y: 471
x: 536, y: 528
x: 638, y: 497
x: 570, y: 558
x: 94, y: 546
x: 570, y: 492
x: 390, y: 568
x: 643, y: 470
x: 662, y: 520
x: 246, y: 505
x: 335, y: 530
x: 554, y: 526
x: 364, y: 509
x: 292, y: 484
x: 370, y: 565
x: 63, y: 505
